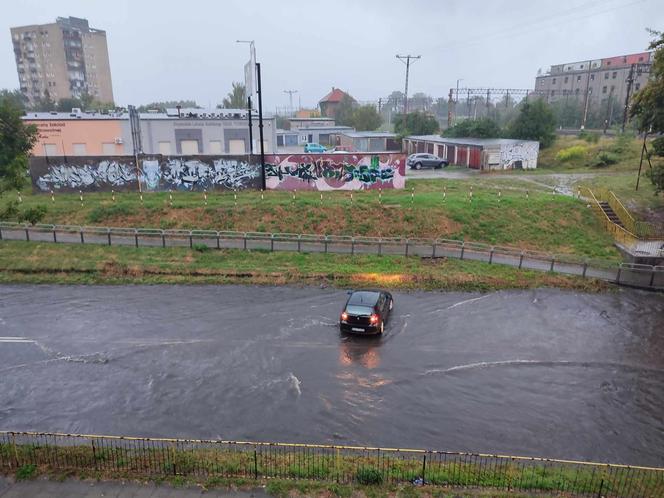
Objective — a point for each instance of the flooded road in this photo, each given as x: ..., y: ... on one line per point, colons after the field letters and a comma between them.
x: 542, y: 373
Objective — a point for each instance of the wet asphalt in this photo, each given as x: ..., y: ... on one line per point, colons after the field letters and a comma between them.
x: 542, y: 373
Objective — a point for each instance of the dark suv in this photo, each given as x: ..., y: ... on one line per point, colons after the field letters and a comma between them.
x: 366, y: 312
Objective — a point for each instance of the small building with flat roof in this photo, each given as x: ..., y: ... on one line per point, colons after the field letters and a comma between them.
x: 323, y: 135
x: 477, y: 153
x: 368, y: 141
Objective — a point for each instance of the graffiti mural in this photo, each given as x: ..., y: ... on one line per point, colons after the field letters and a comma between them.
x: 519, y: 155
x: 335, y: 171
x: 89, y: 174
x: 199, y: 173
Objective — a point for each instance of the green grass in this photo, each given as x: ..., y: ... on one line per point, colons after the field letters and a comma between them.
x: 536, y: 221
x: 27, y: 262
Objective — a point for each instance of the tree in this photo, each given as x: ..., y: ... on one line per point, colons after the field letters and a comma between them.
x: 479, y: 128
x: 415, y: 123
x: 420, y: 102
x: 16, y: 142
x: 344, y: 113
x: 366, y: 117
x: 648, y: 103
x: 535, y: 121
x: 236, y: 99
x: 168, y: 104
x: 395, y: 101
x: 45, y: 103
x: 14, y: 96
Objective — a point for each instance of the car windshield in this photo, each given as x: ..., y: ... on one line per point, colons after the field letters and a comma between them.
x: 359, y: 310
x: 364, y: 298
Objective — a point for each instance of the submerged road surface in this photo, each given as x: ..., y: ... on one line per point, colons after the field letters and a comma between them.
x: 543, y: 372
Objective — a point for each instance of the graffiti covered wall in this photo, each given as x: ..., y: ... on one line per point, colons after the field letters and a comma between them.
x: 335, y: 171
x: 157, y: 173
x: 519, y: 155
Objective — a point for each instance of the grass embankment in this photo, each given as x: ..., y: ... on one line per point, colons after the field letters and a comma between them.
x: 26, y: 262
x: 316, y: 470
x: 537, y: 221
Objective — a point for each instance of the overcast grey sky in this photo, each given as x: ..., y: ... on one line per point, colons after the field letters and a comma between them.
x: 163, y: 49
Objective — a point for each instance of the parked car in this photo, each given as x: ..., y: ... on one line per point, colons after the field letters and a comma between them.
x: 366, y: 312
x: 314, y: 148
x: 419, y: 161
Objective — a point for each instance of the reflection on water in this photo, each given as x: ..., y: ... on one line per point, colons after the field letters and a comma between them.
x: 360, y: 350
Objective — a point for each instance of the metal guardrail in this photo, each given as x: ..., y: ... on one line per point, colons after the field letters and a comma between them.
x: 623, y: 273
x: 116, y: 456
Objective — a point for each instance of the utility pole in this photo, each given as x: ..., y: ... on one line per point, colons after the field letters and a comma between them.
x: 588, y: 92
x: 449, y: 108
x: 260, y: 123
x: 407, y: 58
x: 290, y: 98
x: 630, y: 80
x: 251, y: 131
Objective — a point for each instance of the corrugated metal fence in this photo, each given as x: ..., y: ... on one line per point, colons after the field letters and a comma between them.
x: 115, y: 456
x: 645, y: 276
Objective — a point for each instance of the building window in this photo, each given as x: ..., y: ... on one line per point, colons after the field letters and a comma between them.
x: 215, y: 147
x: 566, y: 79
x: 603, y: 89
x: 606, y: 76
x: 554, y: 81
x: 50, y: 150
x: 165, y: 148
x: 614, y: 74
x: 608, y: 63
x: 576, y: 91
x: 578, y: 78
x: 581, y: 66
x: 592, y: 77
x: 189, y: 147
x: 553, y: 92
x: 79, y: 149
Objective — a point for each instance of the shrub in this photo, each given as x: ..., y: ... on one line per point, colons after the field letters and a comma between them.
x: 368, y: 476
x: 605, y: 159
x: 658, y: 146
x: 200, y: 247
x: 33, y: 215
x: 10, y: 211
x: 591, y: 138
x: 656, y: 176
x: 26, y: 472
x: 570, y: 153
x: 621, y: 143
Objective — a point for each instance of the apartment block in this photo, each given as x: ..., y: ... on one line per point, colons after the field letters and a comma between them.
x: 63, y: 59
x: 598, y: 79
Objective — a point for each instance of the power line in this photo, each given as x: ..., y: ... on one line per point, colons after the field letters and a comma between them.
x: 407, y: 58
x: 290, y: 97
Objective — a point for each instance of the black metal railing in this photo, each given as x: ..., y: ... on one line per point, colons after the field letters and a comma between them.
x: 114, y: 456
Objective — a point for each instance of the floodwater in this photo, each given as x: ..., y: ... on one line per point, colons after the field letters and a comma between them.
x: 542, y: 373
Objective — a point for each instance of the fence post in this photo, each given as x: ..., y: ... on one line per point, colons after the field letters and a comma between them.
x: 191, y: 240
x: 27, y: 234
x: 55, y: 237
x: 0, y: 233
x: 82, y: 240
x: 136, y: 238
x: 352, y: 245
x: 652, y: 276
x: 218, y: 242
x: 407, y: 246
x: 108, y: 235
x: 433, y: 252
x: 299, y: 242
x: 585, y: 269
x: 553, y: 260
x: 520, y: 260
x: 424, y: 467
x: 618, y: 275
x: 244, y: 241
x: 163, y: 239
x: 380, y: 246
x: 325, y: 241
x: 271, y: 242
x: 16, y: 462
x: 463, y: 248
x: 94, y: 453
x: 255, y: 464
x: 491, y: 255
x: 601, y: 487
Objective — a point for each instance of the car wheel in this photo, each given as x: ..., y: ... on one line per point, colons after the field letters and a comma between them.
x: 418, y: 165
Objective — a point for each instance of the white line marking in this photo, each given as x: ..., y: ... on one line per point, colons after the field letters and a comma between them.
x: 16, y: 340
x: 466, y: 301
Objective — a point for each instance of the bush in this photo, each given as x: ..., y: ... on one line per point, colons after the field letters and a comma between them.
x: 33, y: 215
x: 591, y: 138
x: 570, y: 153
x: 200, y: 247
x: 368, y: 476
x: 656, y: 176
x: 605, y: 159
x: 621, y: 143
x: 26, y: 472
x: 101, y: 213
x: 658, y: 146
x: 10, y: 211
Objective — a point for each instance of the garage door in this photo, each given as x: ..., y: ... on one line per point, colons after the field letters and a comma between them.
x: 450, y: 154
x: 475, y: 161
x: 462, y: 156
x: 236, y: 146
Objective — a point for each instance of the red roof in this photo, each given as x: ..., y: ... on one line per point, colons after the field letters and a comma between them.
x: 335, y: 95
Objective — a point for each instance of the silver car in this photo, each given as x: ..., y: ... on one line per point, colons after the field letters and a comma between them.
x: 421, y: 160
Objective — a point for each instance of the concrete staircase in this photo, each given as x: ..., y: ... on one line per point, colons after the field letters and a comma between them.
x: 610, y: 213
